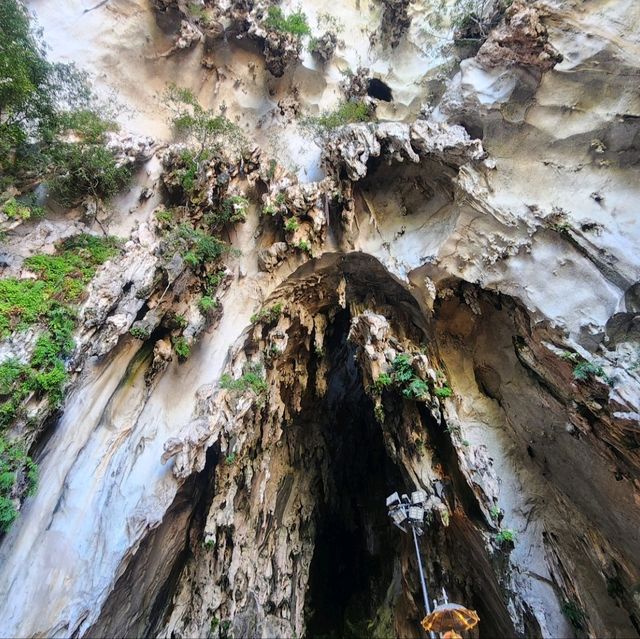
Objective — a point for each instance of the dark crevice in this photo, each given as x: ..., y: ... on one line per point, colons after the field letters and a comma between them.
x: 379, y: 90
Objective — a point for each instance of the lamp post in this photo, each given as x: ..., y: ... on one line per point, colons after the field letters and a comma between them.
x: 447, y: 617
x: 408, y: 513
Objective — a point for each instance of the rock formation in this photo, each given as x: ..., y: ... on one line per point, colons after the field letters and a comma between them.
x: 313, y: 306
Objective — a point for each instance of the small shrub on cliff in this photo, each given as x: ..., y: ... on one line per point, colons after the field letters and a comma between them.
x: 402, y: 369
x: 85, y: 166
x: 17, y: 470
x: 268, y: 315
x: 207, y: 304
x: 585, y: 370
x: 506, y: 537
x: 349, y: 112
x: 139, y: 333
x: 203, y: 127
x: 304, y: 246
x: 442, y: 392
x: 252, y: 378
x: 295, y: 23
x: 416, y: 389
x: 384, y: 381
x: 19, y: 210
x: 291, y: 225
x: 48, y: 301
x: 182, y: 348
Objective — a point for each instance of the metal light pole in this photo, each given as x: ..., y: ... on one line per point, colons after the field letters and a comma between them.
x: 409, y: 513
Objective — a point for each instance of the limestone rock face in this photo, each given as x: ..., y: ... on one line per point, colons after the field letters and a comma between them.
x: 303, y: 319
x: 395, y: 20
x: 521, y: 39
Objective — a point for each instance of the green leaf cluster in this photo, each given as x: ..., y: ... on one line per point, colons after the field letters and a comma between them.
x: 403, y: 377
x: 196, y: 246
x: 506, y: 536
x: 291, y: 225
x: 348, y: 112
x: 16, y: 470
x: 268, y: 315
x: 252, y: 378
x: 202, y: 126
x: 181, y: 347
x: 51, y: 127
x: 49, y: 301
x: 295, y: 23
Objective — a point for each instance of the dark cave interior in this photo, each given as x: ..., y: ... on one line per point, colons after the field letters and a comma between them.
x: 355, y: 544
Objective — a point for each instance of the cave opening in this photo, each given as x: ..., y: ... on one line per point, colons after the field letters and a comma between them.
x: 355, y: 543
x: 379, y: 90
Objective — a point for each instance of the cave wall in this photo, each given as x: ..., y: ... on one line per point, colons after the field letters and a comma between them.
x: 488, y: 257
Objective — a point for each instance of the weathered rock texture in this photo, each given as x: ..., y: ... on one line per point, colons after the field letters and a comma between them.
x: 488, y: 238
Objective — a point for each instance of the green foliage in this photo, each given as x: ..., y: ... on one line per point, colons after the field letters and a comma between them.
x: 402, y: 369
x: 202, y: 126
x: 348, y: 112
x: 291, y: 225
x: 10, y: 371
x: 253, y: 378
x: 416, y: 389
x: 50, y: 125
x: 18, y: 210
x: 304, y: 246
x: 47, y: 300
x: 229, y: 459
x: 505, y: 537
x: 196, y: 246
x: 574, y: 613
x: 86, y: 169
x: 139, y: 332
x: 181, y: 347
x: 207, y: 304
x: 234, y: 209
x: 16, y: 470
x: 62, y: 279
x: 268, y: 315
x: 164, y: 215
x: 384, y: 381
x: 180, y: 320
x: 295, y: 23
x: 443, y: 391
x: 495, y: 512
x: 269, y: 209
x: 585, y: 370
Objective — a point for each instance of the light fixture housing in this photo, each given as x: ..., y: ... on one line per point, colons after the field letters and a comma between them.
x: 418, y: 497
x: 393, y: 500
x: 416, y: 514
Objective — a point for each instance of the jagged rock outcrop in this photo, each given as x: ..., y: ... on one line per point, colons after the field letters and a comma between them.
x: 325, y: 46
x: 352, y: 146
x: 520, y: 39
x: 395, y: 20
